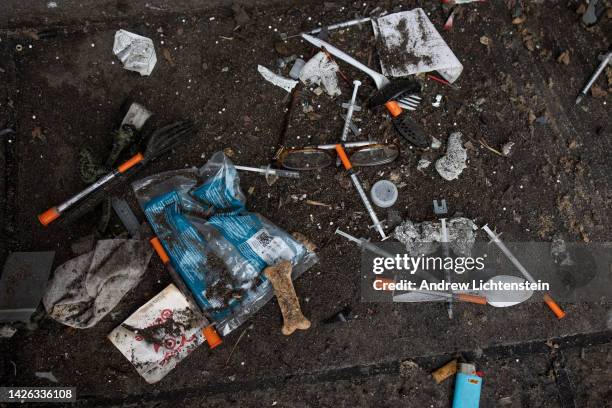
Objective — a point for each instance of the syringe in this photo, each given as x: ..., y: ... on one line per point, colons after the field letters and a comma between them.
x: 351, y: 108
x: 364, y: 243
x: 550, y: 302
x: 364, y: 198
x: 269, y: 171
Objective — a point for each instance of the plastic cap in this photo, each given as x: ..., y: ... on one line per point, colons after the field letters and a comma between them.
x: 343, y: 157
x: 297, y: 68
x: 211, y: 336
x: 161, y: 252
x: 556, y: 309
x: 137, y: 158
x: 48, y: 216
x: 384, y: 193
x: 394, y: 109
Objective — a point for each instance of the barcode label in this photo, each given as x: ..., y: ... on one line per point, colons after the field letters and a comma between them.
x: 270, y: 249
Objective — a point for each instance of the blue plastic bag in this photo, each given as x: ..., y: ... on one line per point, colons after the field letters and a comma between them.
x: 216, y: 245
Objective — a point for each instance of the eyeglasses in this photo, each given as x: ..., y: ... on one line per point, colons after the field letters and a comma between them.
x: 318, y: 157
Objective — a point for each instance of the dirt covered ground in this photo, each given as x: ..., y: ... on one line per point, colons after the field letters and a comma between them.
x: 63, y: 92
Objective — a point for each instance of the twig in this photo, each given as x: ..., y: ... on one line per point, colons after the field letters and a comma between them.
x: 234, y: 348
x: 497, y: 152
x: 318, y: 203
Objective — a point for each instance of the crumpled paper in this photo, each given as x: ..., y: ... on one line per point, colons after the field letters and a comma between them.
x: 320, y: 70
x: 86, y: 288
x: 136, y: 53
x: 410, y: 44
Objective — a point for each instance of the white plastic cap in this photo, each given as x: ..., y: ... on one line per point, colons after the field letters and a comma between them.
x: 384, y: 193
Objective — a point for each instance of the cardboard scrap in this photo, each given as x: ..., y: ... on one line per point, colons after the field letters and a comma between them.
x: 160, y: 334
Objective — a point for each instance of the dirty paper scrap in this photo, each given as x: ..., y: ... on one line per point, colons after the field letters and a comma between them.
x: 410, y: 44
x: 159, y: 334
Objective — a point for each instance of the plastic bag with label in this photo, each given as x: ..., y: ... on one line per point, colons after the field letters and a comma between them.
x: 217, y: 246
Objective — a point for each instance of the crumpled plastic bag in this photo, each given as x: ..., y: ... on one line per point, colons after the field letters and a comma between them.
x: 86, y: 288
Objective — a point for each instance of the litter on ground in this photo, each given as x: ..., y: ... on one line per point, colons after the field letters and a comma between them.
x: 451, y: 165
x: 449, y: 157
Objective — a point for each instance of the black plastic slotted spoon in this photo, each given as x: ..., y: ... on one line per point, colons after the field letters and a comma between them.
x: 161, y: 140
x: 396, y: 96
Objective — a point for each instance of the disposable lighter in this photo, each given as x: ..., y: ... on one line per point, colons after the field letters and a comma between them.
x: 467, y: 387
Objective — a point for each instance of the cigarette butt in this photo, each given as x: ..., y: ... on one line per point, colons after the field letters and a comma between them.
x: 445, y: 371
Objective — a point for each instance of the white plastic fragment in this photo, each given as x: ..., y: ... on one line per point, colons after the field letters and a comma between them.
x: 136, y: 116
x: 437, y: 102
x: 411, y: 44
x: 423, y: 164
x: 452, y: 164
x: 47, y: 375
x: 7, y: 331
x: 282, y: 82
x: 297, y: 68
x: 435, y: 143
x: 320, y: 70
x: 136, y: 53
x: 507, y: 148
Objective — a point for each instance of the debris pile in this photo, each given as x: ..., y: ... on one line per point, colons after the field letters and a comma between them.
x: 425, y: 237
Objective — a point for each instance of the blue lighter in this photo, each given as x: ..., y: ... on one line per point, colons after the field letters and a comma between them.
x: 467, y: 387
